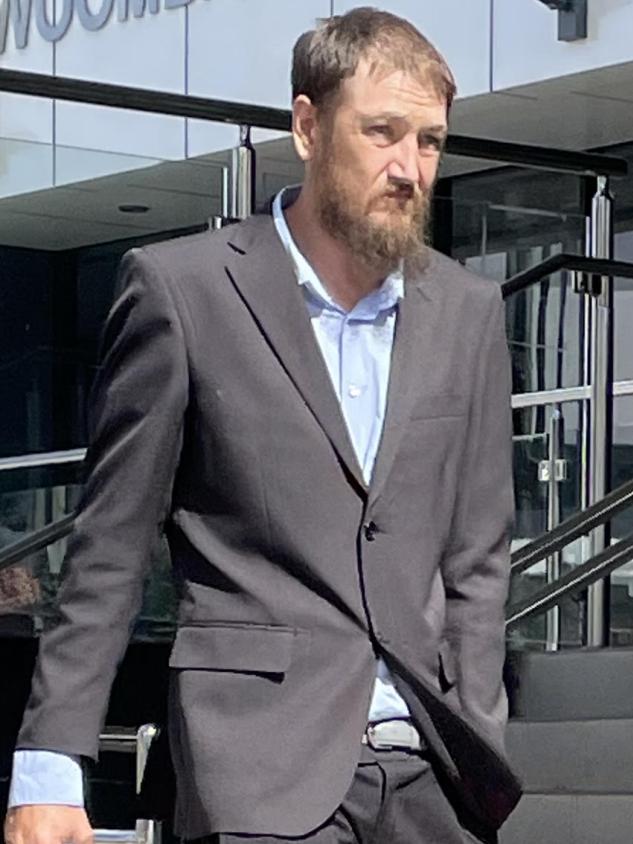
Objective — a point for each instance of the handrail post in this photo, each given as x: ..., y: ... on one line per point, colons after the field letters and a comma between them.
x: 225, y: 192
x: 601, y: 246
x: 216, y: 221
x: 243, y: 176
x: 144, y: 738
x: 553, y: 564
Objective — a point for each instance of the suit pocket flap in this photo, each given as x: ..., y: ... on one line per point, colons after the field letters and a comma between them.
x: 438, y: 406
x: 234, y: 647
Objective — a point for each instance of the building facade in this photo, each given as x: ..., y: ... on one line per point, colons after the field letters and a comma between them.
x: 82, y: 183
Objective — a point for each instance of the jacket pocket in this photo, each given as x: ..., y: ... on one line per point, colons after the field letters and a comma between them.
x: 439, y: 406
x: 447, y: 670
x: 260, y: 648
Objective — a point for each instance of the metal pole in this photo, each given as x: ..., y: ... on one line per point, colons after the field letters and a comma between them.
x: 601, y: 354
x: 586, y: 381
x: 552, y: 639
x: 226, y: 191
x: 243, y: 176
x: 217, y: 221
x: 585, y: 428
x: 144, y: 738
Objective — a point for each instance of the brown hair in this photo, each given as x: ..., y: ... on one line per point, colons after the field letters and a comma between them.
x: 325, y: 56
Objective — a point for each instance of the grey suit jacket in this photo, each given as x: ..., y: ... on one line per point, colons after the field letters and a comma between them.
x: 214, y: 418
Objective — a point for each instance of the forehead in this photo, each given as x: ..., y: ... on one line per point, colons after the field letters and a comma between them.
x: 378, y: 90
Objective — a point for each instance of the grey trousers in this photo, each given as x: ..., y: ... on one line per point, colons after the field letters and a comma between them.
x: 394, y: 799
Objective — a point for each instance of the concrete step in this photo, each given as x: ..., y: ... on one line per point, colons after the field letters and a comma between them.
x: 579, y: 684
x: 573, y: 757
x: 570, y: 819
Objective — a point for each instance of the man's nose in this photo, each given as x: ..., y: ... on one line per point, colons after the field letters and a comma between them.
x: 404, y: 164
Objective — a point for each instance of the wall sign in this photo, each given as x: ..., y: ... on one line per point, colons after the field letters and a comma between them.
x: 23, y: 14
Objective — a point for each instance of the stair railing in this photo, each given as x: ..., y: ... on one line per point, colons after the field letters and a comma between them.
x: 592, y: 277
x: 582, y: 576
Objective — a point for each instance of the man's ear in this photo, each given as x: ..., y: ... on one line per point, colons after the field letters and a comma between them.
x: 304, y: 127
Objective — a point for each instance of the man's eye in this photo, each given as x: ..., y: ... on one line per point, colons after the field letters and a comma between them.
x: 432, y: 141
x: 381, y: 130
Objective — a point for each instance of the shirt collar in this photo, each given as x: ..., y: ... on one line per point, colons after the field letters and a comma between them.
x: 383, y: 298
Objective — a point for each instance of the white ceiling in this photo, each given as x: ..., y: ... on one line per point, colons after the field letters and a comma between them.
x: 178, y: 194
x: 583, y: 111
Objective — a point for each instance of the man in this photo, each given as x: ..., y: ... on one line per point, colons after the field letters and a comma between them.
x: 315, y: 407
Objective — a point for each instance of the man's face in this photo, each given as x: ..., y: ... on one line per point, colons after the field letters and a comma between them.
x: 375, y: 163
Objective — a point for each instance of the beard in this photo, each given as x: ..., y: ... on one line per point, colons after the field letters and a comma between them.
x: 400, y: 235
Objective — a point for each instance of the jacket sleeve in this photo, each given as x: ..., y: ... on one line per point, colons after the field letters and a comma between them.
x: 136, y: 423
x: 476, y: 565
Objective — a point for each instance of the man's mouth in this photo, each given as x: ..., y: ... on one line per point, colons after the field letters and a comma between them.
x: 396, y: 200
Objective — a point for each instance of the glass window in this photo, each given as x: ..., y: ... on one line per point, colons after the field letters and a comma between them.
x: 622, y: 524
x: 534, y: 493
x: 63, y: 230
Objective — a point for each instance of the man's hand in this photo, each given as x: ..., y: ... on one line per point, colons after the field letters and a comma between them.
x: 47, y: 824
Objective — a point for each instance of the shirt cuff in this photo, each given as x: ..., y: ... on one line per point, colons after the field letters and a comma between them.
x: 44, y: 776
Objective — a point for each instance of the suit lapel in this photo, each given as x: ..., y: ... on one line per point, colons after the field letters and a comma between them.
x: 264, y: 278
x: 412, y: 352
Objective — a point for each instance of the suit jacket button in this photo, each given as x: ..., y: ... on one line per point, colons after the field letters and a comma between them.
x: 370, y: 529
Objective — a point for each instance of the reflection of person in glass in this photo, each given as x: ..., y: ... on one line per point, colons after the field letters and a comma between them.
x: 315, y: 406
x: 19, y: 590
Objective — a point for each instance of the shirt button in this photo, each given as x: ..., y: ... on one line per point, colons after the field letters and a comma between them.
x: 354, y: 391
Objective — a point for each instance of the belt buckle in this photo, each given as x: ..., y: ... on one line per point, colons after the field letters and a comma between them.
x: 397, y: 734
x: 374, y: 741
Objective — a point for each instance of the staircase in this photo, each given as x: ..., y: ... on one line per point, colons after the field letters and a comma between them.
x: 571, y: 741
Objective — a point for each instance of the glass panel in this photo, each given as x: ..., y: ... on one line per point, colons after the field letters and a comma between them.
x: 545, y: 322
x: 26, y: 166
x: 61, y: 239
x: 115, y: 179
x: 561, y: 194
x: 623, y: 311
x: 33, y: 498
x: 532, y: 443
x: 29, y: 500
x: 622, y: 322
x: 622, y: 524
x: 545, y: 331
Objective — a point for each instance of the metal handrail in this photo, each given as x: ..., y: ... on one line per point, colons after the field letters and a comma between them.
x: 572, y: 528
x: 41, y: 538
x: 565, y: 261
x: 146, y: 830
x: 265, y: 117
x: 523, y: 558
x: 575, y: 581
x: 129, y: 740
x: 39, y: 459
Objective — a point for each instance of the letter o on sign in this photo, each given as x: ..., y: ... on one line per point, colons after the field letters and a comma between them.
x: 93, y: 20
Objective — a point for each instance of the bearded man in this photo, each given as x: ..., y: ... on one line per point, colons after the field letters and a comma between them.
x: 315, y: 406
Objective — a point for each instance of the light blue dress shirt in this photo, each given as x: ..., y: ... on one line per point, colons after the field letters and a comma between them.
x: 42, y: 776
x: 356, y: 346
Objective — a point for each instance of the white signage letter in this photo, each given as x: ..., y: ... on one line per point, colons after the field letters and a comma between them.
x: 19, y: 12
x: 138, y: 8
x: 90, y: 20
x: 53, y: 31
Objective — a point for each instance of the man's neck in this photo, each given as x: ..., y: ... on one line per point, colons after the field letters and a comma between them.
x: 344, y: 276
